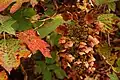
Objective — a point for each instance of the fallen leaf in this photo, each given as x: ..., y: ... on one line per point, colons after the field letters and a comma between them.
x: 105, y: 50
x: 89, y: 18
x: 7, y: 58
x: 67, y: 56
x: 93, y: 41
x: 34, y: 43
x: 17, y: 5
x: 3, y: 75
x: 4, y: 4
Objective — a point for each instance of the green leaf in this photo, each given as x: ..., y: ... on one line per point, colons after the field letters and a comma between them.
x: 108, y: 20
x: 37, y: 24
x: 21, y: 22
x: 116, y: 69
x: 50, y: 26
x: 51, y: 60
x: 29, y: 12
x: 49, y: 12
x: 100, y: 2
x: 118, y: 62
x: 50, y: 8
x: 3, y: 18
x: 112, y: 6
x: 12, y: 44
x: 105, y: 50
x: 7, y: 26
x: 47, y: 75
x: 54, y: 38
x: 53, y: 67
x: 118, y: 24
x: 113, y: 76
x: 60, y: 73
x: 40, y: 67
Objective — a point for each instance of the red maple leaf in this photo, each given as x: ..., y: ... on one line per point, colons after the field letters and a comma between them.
x: 34, y: 43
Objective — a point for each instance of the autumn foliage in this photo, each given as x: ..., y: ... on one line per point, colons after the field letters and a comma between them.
x: 34, y: 43
x: 59, y: 40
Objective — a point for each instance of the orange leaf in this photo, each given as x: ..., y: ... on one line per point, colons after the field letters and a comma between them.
x: 22, y: 52
x: 34, y: 43
x: 17, y: 5
x: 4, y: 4
x: 3, y: 75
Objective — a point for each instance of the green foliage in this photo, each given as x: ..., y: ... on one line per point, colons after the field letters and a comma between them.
x: 29, y: 12
x: 14, y: 43
x: 6, y: 26
x: 21, y: 22
x: 44, y: 18
x: 9, y: 47
x: 37, y: 24
x: 48, y: 27
x: 117, y: 69
x: 51, y: 60
x: 60, y: 73
x: 113, y: 76
x: 3, y: 18
x: 99, y: 2
x: 112, y: 6
x: 40, y: 67
x: 118, y: 62
x: 47, y: 75
x: 50, y: 9
x: 54, y: 38
x: 118, y: 24
x: 111, y: 3
x: 105, y: 50
x: 49, y: 68
x: 107, y: 19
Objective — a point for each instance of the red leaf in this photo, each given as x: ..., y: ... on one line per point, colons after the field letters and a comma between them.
x: 34, y: 42
x: 89, y: 18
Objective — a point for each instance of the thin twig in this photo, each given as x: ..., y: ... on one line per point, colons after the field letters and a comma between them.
x: 43, y: 20
x: 38, y: 77
x: 55, y: 3
x: 39, y: 26
x: 24, y: 72
x: 108, y: 39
